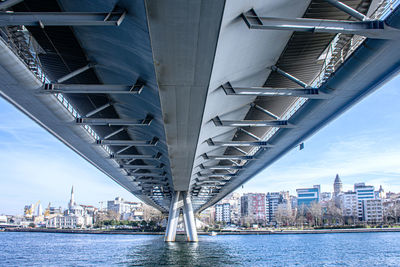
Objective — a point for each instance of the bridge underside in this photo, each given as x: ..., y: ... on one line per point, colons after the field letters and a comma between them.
x: 191, y: 96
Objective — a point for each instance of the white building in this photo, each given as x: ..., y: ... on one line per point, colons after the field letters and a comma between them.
x: 363, y: 192
x: 74, y: 217
x: 223, y: 213
x: 372, y: 210
x: 69, y: 221
x: 349, y: 204
x: 127, y: 210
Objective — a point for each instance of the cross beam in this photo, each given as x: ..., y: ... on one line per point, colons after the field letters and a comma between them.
x: 200, y: 175
x: 9, y: 3
x: 140, y: 167
x: 52, y: 88
x: 43, y: 19
x: 252, y: 123
x: 268, y: 91
x: 113, y: 122
x: 345, y: 8
x: 152, y: 142
x: 210, y: 142
x: 221, y: 167
x: 369, y: 28
x: 227, y: 157
x: 154, y: 175
x: 135, y: 156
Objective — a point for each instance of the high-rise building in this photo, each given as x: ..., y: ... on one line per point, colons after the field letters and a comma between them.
x: 253, y: 208
x: 337, y: 186
x: 275, y: 200
x: 363, y: 192
x: 272, y: 200
x: 372, y: 210
x: 223, y: 213
x: 307, y: 196
x: 349, y: 204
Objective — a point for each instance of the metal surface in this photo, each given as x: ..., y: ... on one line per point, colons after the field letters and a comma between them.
x: 61, y: 19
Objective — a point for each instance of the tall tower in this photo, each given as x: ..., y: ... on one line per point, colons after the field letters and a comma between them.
x: 72, y: 200
x: 337, y: 186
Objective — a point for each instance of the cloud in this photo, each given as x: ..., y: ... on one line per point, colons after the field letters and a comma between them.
x: 357, y: 158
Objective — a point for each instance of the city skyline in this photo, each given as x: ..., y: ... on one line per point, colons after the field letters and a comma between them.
x: 348, y: 146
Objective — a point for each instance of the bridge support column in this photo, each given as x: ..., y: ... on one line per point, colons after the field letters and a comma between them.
x: 188, y: 215
x: 173, y: 216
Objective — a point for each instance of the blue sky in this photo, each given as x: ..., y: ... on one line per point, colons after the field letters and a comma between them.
x: 363, y: 145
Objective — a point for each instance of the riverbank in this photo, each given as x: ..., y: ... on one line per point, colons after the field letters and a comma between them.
x: 250, y: 232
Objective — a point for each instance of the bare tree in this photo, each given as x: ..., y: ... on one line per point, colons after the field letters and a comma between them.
x: 316, y: 212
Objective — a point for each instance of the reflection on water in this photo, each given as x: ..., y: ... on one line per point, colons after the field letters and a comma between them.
x: 350, y: 249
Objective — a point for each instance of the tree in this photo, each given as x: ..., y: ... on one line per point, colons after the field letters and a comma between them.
x: 392, y: 212
x: 316, y: 213
x: 333, y: 214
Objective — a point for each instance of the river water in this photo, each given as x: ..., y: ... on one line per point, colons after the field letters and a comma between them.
x: 345, y: 249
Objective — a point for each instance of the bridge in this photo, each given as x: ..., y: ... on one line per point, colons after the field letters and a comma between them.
x: 181, y: 102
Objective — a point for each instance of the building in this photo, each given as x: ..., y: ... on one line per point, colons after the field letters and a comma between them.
x: 349, y: 204
x: 127, y: 210
x: 272, y: 199
x: 273, y: 202
x: 69, y: 221
x: 326, y: 196
x: 337, y: 186
x: 253, y: 208
x: 223, y: 213
x: 307, y: 196
x: 372, y: 210
x: 74, y: 217
x: 363, y: 192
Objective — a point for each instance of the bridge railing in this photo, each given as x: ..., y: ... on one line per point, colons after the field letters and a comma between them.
x: 23, y: 44
x: 340, y: 49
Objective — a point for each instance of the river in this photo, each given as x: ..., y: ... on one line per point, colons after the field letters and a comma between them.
x: 337, y: 249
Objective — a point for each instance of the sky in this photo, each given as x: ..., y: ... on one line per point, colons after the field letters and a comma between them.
x: 362, y: 145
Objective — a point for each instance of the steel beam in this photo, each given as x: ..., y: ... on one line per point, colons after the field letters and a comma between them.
x: 250, y: 134
x: 369, y: 28
x: 91, y: 113
x: 221, y: 167
x: 140, y: 167
x: 251, y: 123
x: 9, y: 3
x: 114, y: 133
x: 127, y: 143
x: 61, y: 19
x: 135, y: 156
x: 227, y: 157
x: 200, y: 175
x: 52, y: 88
x: 269, y: 113
x: 113, y: 122
x: 349, y: 10
x: 149, y: 174
x: 210, y: 142
x: 74, y: 73
x: 290, y: 77
x: 312, y: 93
